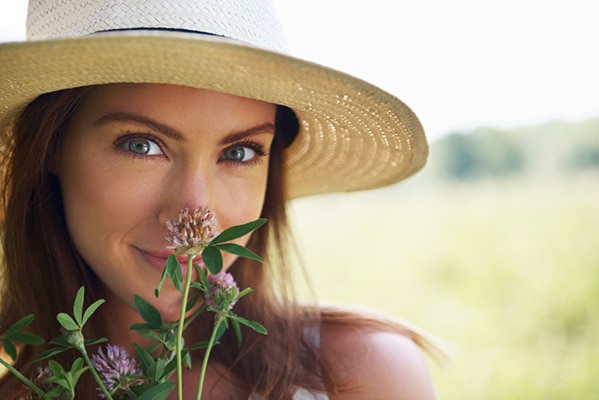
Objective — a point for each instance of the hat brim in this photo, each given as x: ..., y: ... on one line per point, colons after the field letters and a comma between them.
x: 353, y: 135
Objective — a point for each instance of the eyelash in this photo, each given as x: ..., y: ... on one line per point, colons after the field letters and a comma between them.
x: 257, y: 147
x: 128, y: 136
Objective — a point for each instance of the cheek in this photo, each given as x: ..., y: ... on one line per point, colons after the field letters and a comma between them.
x: 99, y: 205
x: 240, y: 202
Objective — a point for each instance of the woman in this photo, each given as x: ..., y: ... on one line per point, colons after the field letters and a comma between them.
x: 115, y: 117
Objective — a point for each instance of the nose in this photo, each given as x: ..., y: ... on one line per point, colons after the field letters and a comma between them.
x: 188, y: 187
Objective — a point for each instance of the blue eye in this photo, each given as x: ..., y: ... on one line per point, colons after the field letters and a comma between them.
x: 239, y: 154
x: 143, y: 146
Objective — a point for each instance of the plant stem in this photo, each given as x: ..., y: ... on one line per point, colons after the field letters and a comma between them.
x: 180, y: 326
x: 194, y: 316
x: 95, y: 374
x: 218, y: 321
x: 23, y: 379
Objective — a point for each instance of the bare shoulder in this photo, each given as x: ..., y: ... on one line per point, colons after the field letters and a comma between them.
x: 375, y: 364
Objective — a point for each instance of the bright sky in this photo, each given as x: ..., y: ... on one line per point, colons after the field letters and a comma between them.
x: 459, y: 64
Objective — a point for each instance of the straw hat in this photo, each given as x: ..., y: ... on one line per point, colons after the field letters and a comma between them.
x: 353, y: 135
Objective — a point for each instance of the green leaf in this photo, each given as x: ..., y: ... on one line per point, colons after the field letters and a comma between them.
x: 154, y: 346
x: 77, y: 369
x: 158, y: 392
x: 145, y: 358
x: 62, y: 382
x: 140, y: 389
x: 141, y: 327
x: 203, y: 279
x: 27, y: 338
x: 66, y: 379
x: 162, y: 279
x: 170, y: 368
x: 148, y: 312
x: 222, y: 328
x: 187, y: 359
x: 91, y: 310
x: 56, y: 368
x: 50, y: 353
x: 60, y: 341
x: 10, y: 348
x: 149, y: 335
x: 237, y: 330
x: 20, y: 324
x: 212, y: 259
x: 198, y: 286
x: 238, y: 231
x: 89, y: 342
x: 173, y: 269
x: 169, y: 326
x: 55, y: 393
x: 240, y: 251
x: 244, y: 292
x: 66, y: 321
x: 156, y: 370
x: 77, y: 364
x: 200, y: 345
x: 254, y: 325
x: 191, y: 302
x: 78, y: 306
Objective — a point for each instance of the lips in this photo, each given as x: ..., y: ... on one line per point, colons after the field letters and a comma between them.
x: 158, y: 259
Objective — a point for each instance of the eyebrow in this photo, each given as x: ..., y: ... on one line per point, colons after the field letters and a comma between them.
x: 267, y: 128
x: 140, y: 119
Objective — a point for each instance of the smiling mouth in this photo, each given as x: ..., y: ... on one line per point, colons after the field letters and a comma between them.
x: 159, y: 261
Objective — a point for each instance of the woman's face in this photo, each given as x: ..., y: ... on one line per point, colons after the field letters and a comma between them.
x: 136, y: 154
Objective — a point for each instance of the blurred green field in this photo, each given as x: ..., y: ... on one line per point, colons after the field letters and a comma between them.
x: 506, y: 273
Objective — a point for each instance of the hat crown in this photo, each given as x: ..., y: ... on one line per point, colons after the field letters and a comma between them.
x: 251, y: 21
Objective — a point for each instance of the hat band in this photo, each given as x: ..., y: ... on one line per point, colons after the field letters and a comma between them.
x: 160, y: 29
x: 286, y: 119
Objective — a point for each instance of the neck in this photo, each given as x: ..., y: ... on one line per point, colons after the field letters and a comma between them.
x: 117, y: 317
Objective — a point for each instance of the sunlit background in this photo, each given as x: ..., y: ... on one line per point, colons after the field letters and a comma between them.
x: 494, y: 246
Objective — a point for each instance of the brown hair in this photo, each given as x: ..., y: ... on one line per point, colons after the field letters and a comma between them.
x: 42, y: 270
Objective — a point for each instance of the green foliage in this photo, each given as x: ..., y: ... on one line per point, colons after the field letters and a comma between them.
x: 211, y: 255
x: 482, y: 154
x: 220, y: 295
x: 65, y: 381
x: 556, y: 148
x: 15, y: 334
x: 157, y: 371
x: 172, y: 269
x: 218, y: 300
x: 213, y: 259
x: 238, y: 231
x: 504, y: 273
x: 148, y: 313
x: 583, y: 157
x: 158, y: 392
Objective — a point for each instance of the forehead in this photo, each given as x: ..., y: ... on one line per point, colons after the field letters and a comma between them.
x: 176, y: 102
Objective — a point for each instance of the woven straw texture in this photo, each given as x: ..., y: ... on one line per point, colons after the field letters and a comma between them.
x: 353, y: 136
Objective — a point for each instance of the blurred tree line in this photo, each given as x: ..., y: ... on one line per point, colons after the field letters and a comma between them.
x: 555, y: 148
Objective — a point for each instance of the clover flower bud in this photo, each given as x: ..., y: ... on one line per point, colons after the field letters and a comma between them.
x: 191, y: 232
x: 223, y: 291
x: 76, y: 339
x: 170, y: 340
x: 117, y: 369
